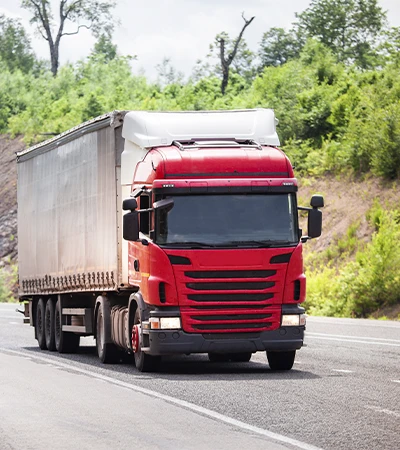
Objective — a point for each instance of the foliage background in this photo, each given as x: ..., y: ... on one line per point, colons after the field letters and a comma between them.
x: 339, y: 115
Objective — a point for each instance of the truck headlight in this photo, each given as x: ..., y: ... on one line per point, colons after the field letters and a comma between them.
x: 293, y: 320
x: 165, y: 323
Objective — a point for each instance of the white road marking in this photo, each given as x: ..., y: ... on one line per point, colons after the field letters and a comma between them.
x: 383, y: 410
x: 353, y: 340
x: 358, y: 322
x: 182, y: 403
x: 395, y: 381
x: 342, y: 370
x: 353, y: 337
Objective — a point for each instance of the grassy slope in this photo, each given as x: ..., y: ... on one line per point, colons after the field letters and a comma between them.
x: 346, y: 228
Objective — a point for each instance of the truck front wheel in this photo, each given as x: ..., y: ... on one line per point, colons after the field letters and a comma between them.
x: 40, y: 324
x: 143, y: 361
x: 65, y: 342
x: 281, y: 360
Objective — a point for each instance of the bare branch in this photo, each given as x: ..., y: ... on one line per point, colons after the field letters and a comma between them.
x: 41, y: 33
x: 77, y: 31
x: 235, y: 48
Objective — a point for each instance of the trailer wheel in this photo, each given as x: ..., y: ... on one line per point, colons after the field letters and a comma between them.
x: 281, y: 360
x: 240, y: 357
x: 65, y: 342
x: 218, y: 357
x: 40, y: 324
x: 143, y: 361
x: 49, y: 326
x: 108, y: 353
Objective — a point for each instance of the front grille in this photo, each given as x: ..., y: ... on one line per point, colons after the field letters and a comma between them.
x: 229, y: 301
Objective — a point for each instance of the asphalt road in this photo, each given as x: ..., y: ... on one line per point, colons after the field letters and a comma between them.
x: 343, y: 393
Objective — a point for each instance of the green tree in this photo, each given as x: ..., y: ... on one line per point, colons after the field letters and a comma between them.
x: 94, y: 15
x: 390, y: 47
x: 350, y: 28
x: 167, y: 74
x: 15, y: 46
x: 278, y: 46
x: 104, y: 48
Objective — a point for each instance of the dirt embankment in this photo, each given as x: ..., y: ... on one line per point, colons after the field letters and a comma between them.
x: 8, y: 197
x: 347, y: 201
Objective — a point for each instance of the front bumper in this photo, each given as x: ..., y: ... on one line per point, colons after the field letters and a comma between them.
x: 167, y: 342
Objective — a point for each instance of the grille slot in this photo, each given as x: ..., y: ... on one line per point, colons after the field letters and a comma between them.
x: 231, y: 274
x: 230, y: 286
x: 230, y: 306
x: 230, y: 297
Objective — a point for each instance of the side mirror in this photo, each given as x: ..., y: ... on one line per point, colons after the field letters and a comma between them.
x: 166, y: 203
x: 317, y: 201
x: 129, y: 204
x: 131, y: 226
x: 314, y: 226
x: 130, y: 220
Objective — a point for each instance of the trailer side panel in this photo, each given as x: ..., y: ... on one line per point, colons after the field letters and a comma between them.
x: 67, y: 216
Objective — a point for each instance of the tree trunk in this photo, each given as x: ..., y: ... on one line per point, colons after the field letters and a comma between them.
x: 225, y: 79
x: 54, y: 59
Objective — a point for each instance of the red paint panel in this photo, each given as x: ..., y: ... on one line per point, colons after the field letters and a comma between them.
x: 295, y: 271
x: 163, y: 162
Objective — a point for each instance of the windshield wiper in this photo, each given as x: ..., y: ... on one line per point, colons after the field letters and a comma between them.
x: 191, y: 244
x: 267, y: 243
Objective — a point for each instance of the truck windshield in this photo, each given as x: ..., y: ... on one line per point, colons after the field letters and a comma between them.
x: 259, y: 220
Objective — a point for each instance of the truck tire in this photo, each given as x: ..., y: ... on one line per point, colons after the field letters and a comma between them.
x: 281, y: 360
x: 49, y: 326
x: 143, y: 361
x: 40, y: 324
x: 65, y: 342
x: 108, y: 353
x: 240, y: 357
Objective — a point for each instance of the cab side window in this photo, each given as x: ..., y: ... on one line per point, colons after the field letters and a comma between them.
x: 145, y: 217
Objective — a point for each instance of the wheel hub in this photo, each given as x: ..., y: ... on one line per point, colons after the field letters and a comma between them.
x: 135, y: 338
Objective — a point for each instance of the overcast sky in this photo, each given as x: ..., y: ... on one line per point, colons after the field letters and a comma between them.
x: 178, y: 29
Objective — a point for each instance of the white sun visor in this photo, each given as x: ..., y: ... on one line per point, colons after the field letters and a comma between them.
x: 154, y: 129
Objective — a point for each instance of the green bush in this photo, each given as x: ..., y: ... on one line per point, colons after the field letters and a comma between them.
x: 360, y: 287
x: 8, y: 280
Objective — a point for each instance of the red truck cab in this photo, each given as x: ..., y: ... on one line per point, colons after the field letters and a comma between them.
x: 215, y: 247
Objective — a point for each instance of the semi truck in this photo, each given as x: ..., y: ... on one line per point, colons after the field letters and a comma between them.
x: 163, y: 233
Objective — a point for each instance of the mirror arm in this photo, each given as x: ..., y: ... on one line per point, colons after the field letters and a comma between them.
x: 137, y: 192
x: 144, y: 210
